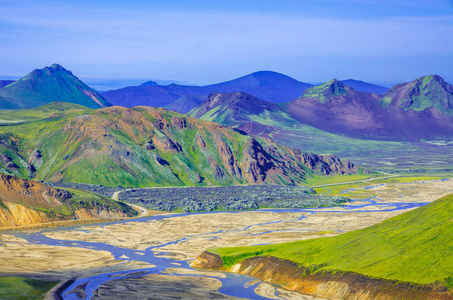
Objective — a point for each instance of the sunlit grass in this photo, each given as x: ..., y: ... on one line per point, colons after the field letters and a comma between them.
x: 415, y: 247
x: 24, y: 288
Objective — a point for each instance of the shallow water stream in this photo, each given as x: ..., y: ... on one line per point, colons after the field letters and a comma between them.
x: 232, y: 284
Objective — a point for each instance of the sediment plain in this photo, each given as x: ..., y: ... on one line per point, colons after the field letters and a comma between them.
x: 134, y: 245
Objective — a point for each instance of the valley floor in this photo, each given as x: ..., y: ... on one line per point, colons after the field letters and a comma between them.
x: 127, y: 258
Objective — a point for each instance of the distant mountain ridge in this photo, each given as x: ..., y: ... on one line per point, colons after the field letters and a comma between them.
x: 361, y: 86
x: 421, y: 109
x: 267, y: 85
x: 50, y: 84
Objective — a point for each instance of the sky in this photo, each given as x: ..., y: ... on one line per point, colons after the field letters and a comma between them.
x: 113, y: 43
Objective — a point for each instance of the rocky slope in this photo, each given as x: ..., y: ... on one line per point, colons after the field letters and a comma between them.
x: 145, y: 146
x: 235, y: 109
x: 26, y: 202
x: 43, y: 86
x: 336, y: 107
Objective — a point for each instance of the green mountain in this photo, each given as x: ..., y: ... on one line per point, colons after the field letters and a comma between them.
x: 423, y: 93
x: 43, y: 86
x: 324, y: 92
x: 146, y: 146
x: 421, y: 109
x: 414, y: 247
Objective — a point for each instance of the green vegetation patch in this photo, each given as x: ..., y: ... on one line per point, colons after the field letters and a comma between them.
x: 341, y: 187
x: 416, y: 246
x: 324, y: 180
x: 324, y: 91
x: 19, y: 288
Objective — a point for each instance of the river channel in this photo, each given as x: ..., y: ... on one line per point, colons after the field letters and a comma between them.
x: 169, y: 242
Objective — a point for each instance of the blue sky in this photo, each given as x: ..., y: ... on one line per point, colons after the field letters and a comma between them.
x: 203, y: 42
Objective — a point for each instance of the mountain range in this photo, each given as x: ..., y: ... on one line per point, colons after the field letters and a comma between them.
x: 43, y: 86
x: 267, y: 85
x: 421, y: 109
x: 145, y: 146
x: 270, y: 86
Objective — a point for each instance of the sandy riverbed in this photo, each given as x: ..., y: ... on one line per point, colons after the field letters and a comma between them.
x: 194, y: 234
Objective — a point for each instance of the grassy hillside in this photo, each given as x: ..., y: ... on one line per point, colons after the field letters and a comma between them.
x: 414, y: 247
x: 258, y: 117
x: 422, y: 94
x: 11, y: 117
x: 145, y: 146
x: 12, y: 288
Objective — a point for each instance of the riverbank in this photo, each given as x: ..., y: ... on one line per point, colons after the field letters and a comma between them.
x: 329, y: 284
x: 405, y: 257
x: 152, y: 245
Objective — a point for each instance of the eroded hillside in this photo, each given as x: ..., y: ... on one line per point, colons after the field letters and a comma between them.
x: 26, y: 202
x: 144, y: 146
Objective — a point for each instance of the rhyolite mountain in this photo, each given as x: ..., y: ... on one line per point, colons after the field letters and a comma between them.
x: 338, y: 108
x: 245, y: 112
x: 4, y: 83
x: 27, y: 202
x: 361, y: 86
x: 421, y: 109
x: 50, y: 84
x: 270, y: 86
x: 145, y: 146
x: 424, y: 93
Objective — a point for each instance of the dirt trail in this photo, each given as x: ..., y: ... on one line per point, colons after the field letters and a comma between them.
x: 143, y: 211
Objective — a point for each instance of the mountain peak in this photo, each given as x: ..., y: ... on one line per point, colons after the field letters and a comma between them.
x: 430, y: 91
x: 49, y: 71
x: 49, y: 84
x: 149, y: 83
x: 327, y: 90
x: 57, y: 67
x: 231, y: 108
x: 431, y: 79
